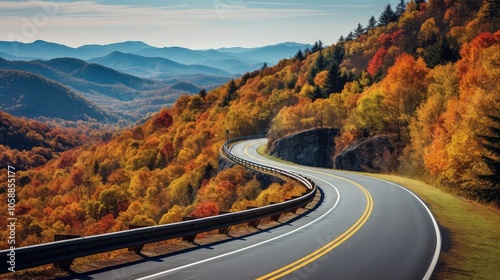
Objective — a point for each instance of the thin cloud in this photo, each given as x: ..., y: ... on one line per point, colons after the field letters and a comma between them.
x: 72, y: 12
x: 193, y: 23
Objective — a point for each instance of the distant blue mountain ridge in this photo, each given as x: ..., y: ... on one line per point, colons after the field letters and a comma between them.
x: 143, y: 60
x: 117, y: 83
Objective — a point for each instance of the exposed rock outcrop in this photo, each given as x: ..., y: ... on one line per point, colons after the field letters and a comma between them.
x: 312, y: 147
x: 378, y: 154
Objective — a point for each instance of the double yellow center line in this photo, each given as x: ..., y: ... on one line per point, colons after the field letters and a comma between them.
x: 332, y: 244
x: 296, y: 265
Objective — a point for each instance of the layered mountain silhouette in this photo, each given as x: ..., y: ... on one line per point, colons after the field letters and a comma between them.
x: 231, y: 60
x: 123, y: 94
x: 155, y: 67
x: 129, y: 79
x: 31, y: 95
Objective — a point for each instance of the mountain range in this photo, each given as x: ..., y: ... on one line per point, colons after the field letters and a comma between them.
x: 33, y: 96
x: 124, y: 96
x: 227, y: 61
x: 122, y: 81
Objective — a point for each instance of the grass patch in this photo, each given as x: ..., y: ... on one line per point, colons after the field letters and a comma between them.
x: 470, y: 231
x: 262, y: 151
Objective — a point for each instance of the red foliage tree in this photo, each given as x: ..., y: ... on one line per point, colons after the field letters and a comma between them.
x: 205, y: 209
x: 163, y: 120
x: 376, y: 62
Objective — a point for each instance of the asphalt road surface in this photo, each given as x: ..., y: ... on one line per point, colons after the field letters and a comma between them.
x: 363, y: 228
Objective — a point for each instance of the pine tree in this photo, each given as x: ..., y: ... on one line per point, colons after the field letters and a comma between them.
x: 491, y: 156
x: 245, y: 78
x: 359, y: 30
x: 350, y: 36
x: 320, y: 62
x: 372, y: 23
x: 264, y: 66
x: 231, y: 94
x: 441, y: 53
x: 334, y: 82
x: 299, y: 55
x: 400, y: 8
x: 341, y: 39
x: 338, y: 54
x: 317, y: 93
x: 318, y: 46
x: 387, y: 16
x: 202, y: 93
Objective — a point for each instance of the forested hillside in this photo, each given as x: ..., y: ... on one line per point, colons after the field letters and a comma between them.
x: 31, y: 95
x: 28, y: 144
x: 426, y: 75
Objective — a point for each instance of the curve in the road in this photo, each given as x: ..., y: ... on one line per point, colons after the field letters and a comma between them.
x: 339, y: 240
x: 363, y: 228
x: 162, y: 273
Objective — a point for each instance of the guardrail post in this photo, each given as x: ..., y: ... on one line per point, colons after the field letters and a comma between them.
x: 66, y: 263
x: 276, y: 217
x: 138, y: 248
x: 254, y: 223
x: 294, y: 210
x: 224, y: 230
x: 189, y: 238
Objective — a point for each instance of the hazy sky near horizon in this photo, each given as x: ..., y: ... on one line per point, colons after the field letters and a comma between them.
x: 196, y: 24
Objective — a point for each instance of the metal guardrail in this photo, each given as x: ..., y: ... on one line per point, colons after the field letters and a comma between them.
x: 67, y: 250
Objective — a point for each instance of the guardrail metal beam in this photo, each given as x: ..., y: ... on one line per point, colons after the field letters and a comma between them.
x: 65, y: 251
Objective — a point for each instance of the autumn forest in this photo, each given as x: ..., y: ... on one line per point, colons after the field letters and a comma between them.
x: 425, y: 74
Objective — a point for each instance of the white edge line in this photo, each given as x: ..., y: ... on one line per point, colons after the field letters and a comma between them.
x: 252, y: 246
x: 435, y: 258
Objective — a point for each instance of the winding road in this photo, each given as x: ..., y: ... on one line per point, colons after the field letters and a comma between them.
x: 362, y: 228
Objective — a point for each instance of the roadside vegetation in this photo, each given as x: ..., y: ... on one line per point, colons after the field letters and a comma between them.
x: 469, y: 230
x: 425, y: 74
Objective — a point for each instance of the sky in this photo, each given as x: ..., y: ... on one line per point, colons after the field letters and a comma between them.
x: 195, y: 24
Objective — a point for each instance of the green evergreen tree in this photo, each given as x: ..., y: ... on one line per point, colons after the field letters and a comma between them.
x: 320, y: 62
x: 202, y: 93
x: 350, y: 36
x: 338, y: 54
x: 317, y: 93
x: 299, y: 55
x: 319, y: 65
x: 387, y: 16
x: 245, y: 78
x: 491, y: 156
x: 372, y: 23
x: 232, y: 88
x: 334, y: 82
x: 341, y: 39
x: 442, y: 52
x: 264, y: 66
x: 400, y: 8
x: 231, y: 94
x: 318, y: 46
x: 359, y: 30
x: 312, y: 74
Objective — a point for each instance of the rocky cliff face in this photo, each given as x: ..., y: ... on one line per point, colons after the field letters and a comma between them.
x: 312, y: 147
x: 377, y: 154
